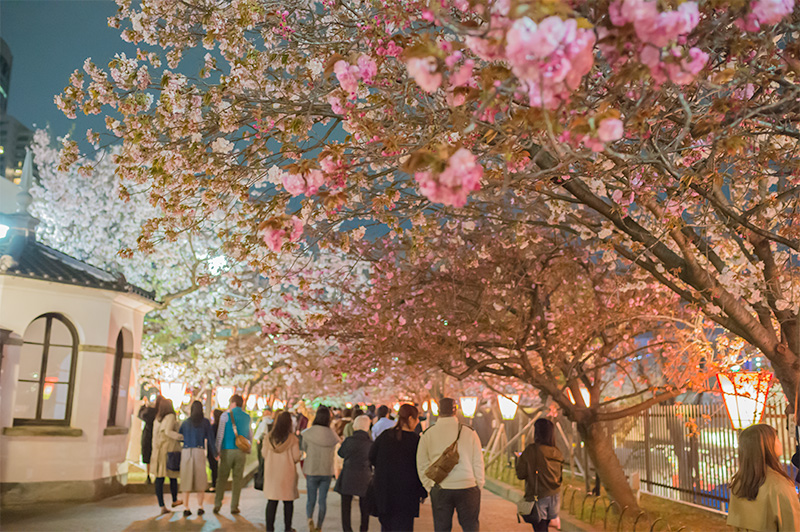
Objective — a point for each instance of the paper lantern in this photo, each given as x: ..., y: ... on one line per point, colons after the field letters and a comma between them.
x: 174, y: 391
x: 508, y: 406
x: 251, y: 402
x: 434, y: 408
x: 278, y: 405
x: 468, y: 406
x: 224, y: 394
x: 584, y: 394
x: 745, y: 395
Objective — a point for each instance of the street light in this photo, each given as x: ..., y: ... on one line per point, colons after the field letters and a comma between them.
x: 262, y: 402
x: 251, y: 402
x: 434, y: 408
x: 224, y: 394
x: 174, y: 391
x: 584, y: 394
x: 468, y: 406
x: 278, y: 405
x: 508, y: 406
x: 745, y: 395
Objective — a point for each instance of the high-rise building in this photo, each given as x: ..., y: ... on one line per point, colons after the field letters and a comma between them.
x: 6, y: 59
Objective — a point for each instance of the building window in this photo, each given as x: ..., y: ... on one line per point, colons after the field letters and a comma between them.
x: 119, y: 354
x: 46, y: 372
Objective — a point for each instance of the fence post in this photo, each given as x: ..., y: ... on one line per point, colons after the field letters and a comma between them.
x: 648, y: 471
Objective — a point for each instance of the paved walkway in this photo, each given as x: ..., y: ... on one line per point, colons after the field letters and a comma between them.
x: 135, y: 512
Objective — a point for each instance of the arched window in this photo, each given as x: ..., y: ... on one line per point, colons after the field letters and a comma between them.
x: 119, y: 355
x: 46, y: 372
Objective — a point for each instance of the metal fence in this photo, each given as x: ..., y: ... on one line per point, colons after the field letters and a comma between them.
x: 688, y: 452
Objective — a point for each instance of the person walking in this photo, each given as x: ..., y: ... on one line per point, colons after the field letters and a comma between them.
x: 319, y: 441
x: 460, y: 491
x: 166, y: 440
x: 383, y: 422
x: 763, y: 497
x: 348, y: 428
x: 213, y: 463
x: 197, y: 435
x: 147, y: 413
x: 231, y: 458
x: 397, y: 488
x: 281, y: 452
x: 356, y: 473
x: 540, y: 466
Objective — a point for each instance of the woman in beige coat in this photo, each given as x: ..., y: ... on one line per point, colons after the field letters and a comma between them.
x: 166, y: 439
x: 763, y: 498
x: 281, y: 453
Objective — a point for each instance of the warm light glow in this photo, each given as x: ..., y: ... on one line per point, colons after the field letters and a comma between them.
x: 434, y: 408
x: 508, y: 406
x: 396, y: 407
x: 251, y: 402
x: 224, y: 394
x: 262, y: 402
x: 174, y: 391
x: 348, y: 405
x: 425, y: 406
x: 745, y: 395
x: 278, y: 404
x: 584, y: 394
x: 468, y: 406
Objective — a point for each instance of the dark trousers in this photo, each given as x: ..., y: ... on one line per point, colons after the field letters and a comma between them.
x: 214, y: 467
x: 272, y: 509
x: 396, y: 523
x: 347, y: 502
x: 541, y: 526
x: 173, y: 489
x: 466, y: 502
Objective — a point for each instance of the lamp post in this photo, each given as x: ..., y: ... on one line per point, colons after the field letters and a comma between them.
x: 278, y: 405
x: 584, y: 395
x: 469, y: 405
x: 508, y: 409
x: 745, y: 396
x: 224, y: 394
x: 434, y: 408
x: 174, y: 391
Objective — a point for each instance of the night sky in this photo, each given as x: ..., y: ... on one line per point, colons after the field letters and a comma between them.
x: 49, y: 39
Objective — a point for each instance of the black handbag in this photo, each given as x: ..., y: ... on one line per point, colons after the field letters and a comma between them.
x: 174, y: 461
x: 372, y: 501
x: 258, y: 478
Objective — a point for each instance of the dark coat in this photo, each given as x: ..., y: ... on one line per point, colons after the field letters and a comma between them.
x: 357, y: 471
x: 544, y: 462
x: 398, y: 489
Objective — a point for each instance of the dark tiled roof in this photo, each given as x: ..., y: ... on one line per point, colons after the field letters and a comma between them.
x: 37, y: 261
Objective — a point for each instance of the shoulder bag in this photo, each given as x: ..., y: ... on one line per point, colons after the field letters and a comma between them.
x: 439, y: 470
x: 242, y: 443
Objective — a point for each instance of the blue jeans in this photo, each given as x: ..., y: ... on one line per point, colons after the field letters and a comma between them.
x: 314, y: 484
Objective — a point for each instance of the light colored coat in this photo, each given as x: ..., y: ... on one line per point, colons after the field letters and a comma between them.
x: 468, y: 473
x: 280, y: 469
x: 166, y: 439
x: 319, y: 443
x: 776, y: 507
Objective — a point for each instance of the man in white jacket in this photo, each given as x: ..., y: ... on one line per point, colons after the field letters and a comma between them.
x: 461, y: 490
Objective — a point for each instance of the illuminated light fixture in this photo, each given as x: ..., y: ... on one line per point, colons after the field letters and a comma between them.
x: 262, y: 402
x: 584, y: 394
x: 434, y: 408
x: 251, y: 402
x: 278, y: 404
x: 224, y: 394
x: 468, y: 406
x: 508, y: 406
x: 425, y: 406
x: 4, y: 230
x: 745, y: 395
x: 396, y: 407
x: 348, y: 405
x: 174, y: 391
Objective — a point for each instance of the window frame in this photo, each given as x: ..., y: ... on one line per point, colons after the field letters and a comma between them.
x: 45, y: 345
x: 119, y: 356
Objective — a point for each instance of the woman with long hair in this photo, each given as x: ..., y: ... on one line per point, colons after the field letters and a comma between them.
x: 281, y: 451
x: 166, y: 439
x: 763, y: 497
x: 398, y: 490
x: 540, y: 465
x: 319, y: 442
x: 197, y: 435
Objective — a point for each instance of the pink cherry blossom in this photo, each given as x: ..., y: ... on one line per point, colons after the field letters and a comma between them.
x: 336, y: 104
x: 610, y: 129
x: 367, y: 68
x: 347, y: 76
x: 294, y: 184
x: 423, y: 70
x: 452, y: 187
x: 273, y: 238
x: 771, y: 11
x: 297, y: 228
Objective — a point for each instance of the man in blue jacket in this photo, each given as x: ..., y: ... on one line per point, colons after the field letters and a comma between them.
x: 231, y: 457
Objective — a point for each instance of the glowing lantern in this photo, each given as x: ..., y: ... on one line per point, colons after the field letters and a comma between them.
x: 278, y: 404
x: 584, y: 394
x: 508, y: 406
x: 251, y: 402
x: 745, y: 395
x: 425, y: 406
x: 348, y: 405
x: 434, y: 408
x: 468, y: 406
x: 262, y: 402
x: 396, y: 407
x: 174, y: 391
x: 224, y: 394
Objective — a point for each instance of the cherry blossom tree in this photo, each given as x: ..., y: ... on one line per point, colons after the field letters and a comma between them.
x: 664, y: 129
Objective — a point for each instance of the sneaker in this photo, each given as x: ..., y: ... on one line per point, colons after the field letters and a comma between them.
x: 235, y: 511
x: 165, y: 510
x: 200, y: 511
x: 176, y: 503
x: 187, y: 513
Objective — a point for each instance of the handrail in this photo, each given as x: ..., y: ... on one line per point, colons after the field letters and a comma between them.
x: 636, y: 521
x: 621, y: 517
x: 594, y: 507
x: 608, y: 512
x: 583, y: 503
x: 653, y: 526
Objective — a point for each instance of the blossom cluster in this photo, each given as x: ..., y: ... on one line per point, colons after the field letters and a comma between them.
x: 452, y: 186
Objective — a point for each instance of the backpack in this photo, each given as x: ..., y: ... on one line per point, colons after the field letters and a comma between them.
x: 439, y: 469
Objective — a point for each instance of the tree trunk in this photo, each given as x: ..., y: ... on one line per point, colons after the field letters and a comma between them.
x: 601, y: 451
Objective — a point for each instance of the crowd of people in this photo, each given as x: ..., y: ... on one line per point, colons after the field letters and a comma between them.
x: 381, y: 461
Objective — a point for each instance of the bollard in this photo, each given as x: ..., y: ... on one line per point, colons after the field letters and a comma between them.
x: 653, y: 526
x: 641, y: 513
x: 594, y: 507
x: 583, y: 503
x: 621, y: 517
x: 608, y: 512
